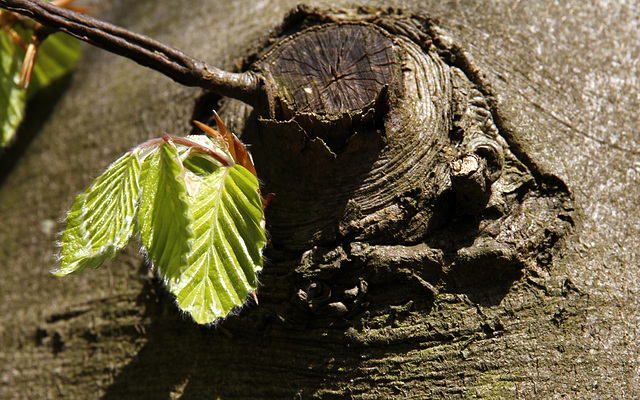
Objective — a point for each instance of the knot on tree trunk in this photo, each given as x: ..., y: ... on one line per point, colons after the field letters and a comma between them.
x: 380, y: 131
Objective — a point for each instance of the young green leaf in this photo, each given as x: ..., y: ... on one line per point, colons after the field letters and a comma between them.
x: 56, y: 56
x: 227, y: 239
x: 198, y: 213
x: 12, y: 96
x: 164, y: 217
x: 102, y: 219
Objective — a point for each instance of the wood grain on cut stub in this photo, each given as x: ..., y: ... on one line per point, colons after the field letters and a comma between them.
x: 336, y: 69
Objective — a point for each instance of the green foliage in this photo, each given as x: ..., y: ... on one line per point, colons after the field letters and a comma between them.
x: 198, y: 214
x: 226, y: 217
x: 12, y: 96
x: 56, y: 56
x: 165, y: 221
x: 102, y: 219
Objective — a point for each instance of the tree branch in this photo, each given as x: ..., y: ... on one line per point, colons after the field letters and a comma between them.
x: 144, y: 50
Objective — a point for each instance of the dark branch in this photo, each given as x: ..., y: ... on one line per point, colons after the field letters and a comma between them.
x: 171, y: 62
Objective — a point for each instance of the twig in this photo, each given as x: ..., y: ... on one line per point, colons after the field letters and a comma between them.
x: 171, y: 62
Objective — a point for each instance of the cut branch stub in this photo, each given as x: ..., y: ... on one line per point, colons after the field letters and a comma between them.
x: 331, y: 78
x: 349, y: 172
x: 330, y: 70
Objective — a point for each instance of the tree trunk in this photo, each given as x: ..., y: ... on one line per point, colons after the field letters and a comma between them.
x: 381, y: 280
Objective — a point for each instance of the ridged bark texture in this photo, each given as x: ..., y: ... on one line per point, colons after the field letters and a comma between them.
x: 356, y: 309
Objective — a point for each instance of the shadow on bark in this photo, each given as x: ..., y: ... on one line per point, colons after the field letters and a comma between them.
x: 194, y: 362
x: 38, y: 111
x: 282, y: 348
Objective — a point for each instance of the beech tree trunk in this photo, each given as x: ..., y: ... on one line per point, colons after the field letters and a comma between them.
x: 559, y: 320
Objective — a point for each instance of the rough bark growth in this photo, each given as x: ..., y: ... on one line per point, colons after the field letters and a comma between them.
x: 402, y: 177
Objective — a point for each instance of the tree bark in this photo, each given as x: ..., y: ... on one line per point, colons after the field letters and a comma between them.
x: 561, y: 324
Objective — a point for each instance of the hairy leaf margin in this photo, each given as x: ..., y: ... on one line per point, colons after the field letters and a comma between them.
x: 102, y: 219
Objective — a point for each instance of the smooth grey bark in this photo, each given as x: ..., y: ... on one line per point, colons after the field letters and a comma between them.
x: 567, y: 75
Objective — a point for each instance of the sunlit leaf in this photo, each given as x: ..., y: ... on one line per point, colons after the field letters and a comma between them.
x: 102, y: 219
x: 198, y: 214
x: 164, y: 218
x: 225, y: 253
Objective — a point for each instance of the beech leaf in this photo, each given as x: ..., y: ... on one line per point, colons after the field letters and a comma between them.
x: 225, y: 254
x: 56, y: 56
x: 102, y: 219
x: 198, y: 213
x: 164, y: 218
x: 12, y: 96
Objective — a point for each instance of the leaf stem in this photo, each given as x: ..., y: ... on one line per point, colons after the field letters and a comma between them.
x: 144, y: 50
x: 221, y: 158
